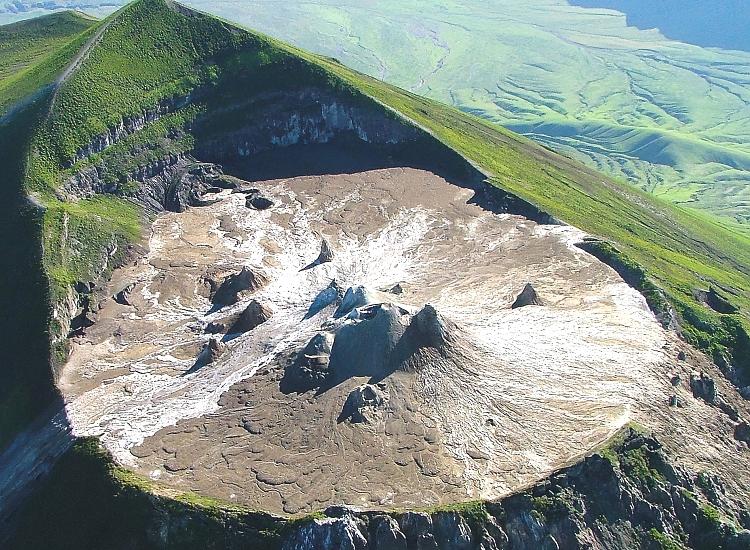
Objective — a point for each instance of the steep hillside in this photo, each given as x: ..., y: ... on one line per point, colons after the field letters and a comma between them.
x: 34, y: 56
x: 34, y: 52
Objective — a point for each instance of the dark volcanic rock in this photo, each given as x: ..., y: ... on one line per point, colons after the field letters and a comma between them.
x: 254, y: 315
x: 332, y: 294
x: 247, y: 280
x: 343, y: 533
x: 451, y: 531
x: 742, y: 432
x: 187, y: 187
x: 216, y: 327
x: 356, y: 296
x: 528, y: 297
x: 310, y: 369
x: 703, y: 387
x: 367, y: 346
x: 387, y: 535
x: 430, y: 329
x: 325, y: 255
x: 364, y: 404
x: 716, y: 301
x: 123, y: 297
x: 415, y: 525
x: 378, y: 339
x: 84, y: 288
x: 211, y: 352
x: 257, y: 200
x: 81, y: 322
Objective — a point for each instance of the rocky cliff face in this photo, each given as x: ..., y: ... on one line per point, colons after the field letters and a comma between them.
x: 297, y: 118
x: 629, y: 496
x: 270, y: 121
x: 126, y: 127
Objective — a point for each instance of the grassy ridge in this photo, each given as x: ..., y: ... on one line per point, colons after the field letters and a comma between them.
x: 34, y: 52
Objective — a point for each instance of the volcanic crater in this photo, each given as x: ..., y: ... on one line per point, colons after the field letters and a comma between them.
x: 378, y: 338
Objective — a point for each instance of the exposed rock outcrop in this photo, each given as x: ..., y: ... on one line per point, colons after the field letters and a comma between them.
x: 123, y: 297
x: 365, y: 404
x: 211, y: 352
x: 329, y: 534
x: 257, y: 200
x: 325, y: 255
x: 527, y: 297
x: 247, y: 280
x: 703, y: 387
x: 254, y: 315
x: 716, y: 301
x: 358, y: 296
x: 171, y: 183
x: 332, y: 294
x: 126, y: 127
x: 310, y: 369
x: 742, y: 432
x: 303, y: 116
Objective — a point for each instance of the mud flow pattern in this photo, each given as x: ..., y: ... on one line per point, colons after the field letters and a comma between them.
x: 376, y: 357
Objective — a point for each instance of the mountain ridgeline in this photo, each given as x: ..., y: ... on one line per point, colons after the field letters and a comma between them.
x: 100, y: 151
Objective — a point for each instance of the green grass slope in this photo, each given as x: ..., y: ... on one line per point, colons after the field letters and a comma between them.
x: 34, y: 52
x: 668, y: 117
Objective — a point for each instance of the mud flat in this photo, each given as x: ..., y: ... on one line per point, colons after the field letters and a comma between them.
x: 489, y: 399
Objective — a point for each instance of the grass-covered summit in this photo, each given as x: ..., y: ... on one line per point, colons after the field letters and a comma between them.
x: 162, y: 82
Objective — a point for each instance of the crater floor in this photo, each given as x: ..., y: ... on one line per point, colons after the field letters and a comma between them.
x: 520, y: 393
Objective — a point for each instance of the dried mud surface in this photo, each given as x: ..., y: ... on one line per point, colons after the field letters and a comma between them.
x: 534, y: 389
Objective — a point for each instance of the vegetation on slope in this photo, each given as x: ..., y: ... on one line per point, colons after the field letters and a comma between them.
x: 34, y: 52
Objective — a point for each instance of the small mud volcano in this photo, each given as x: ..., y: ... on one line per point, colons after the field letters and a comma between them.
x: 247, y: 280
x: 528, y: 297
x: 374, y: 340
x: 357, y: 339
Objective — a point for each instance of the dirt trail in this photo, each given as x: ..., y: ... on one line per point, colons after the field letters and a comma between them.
x: 39, y: 94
